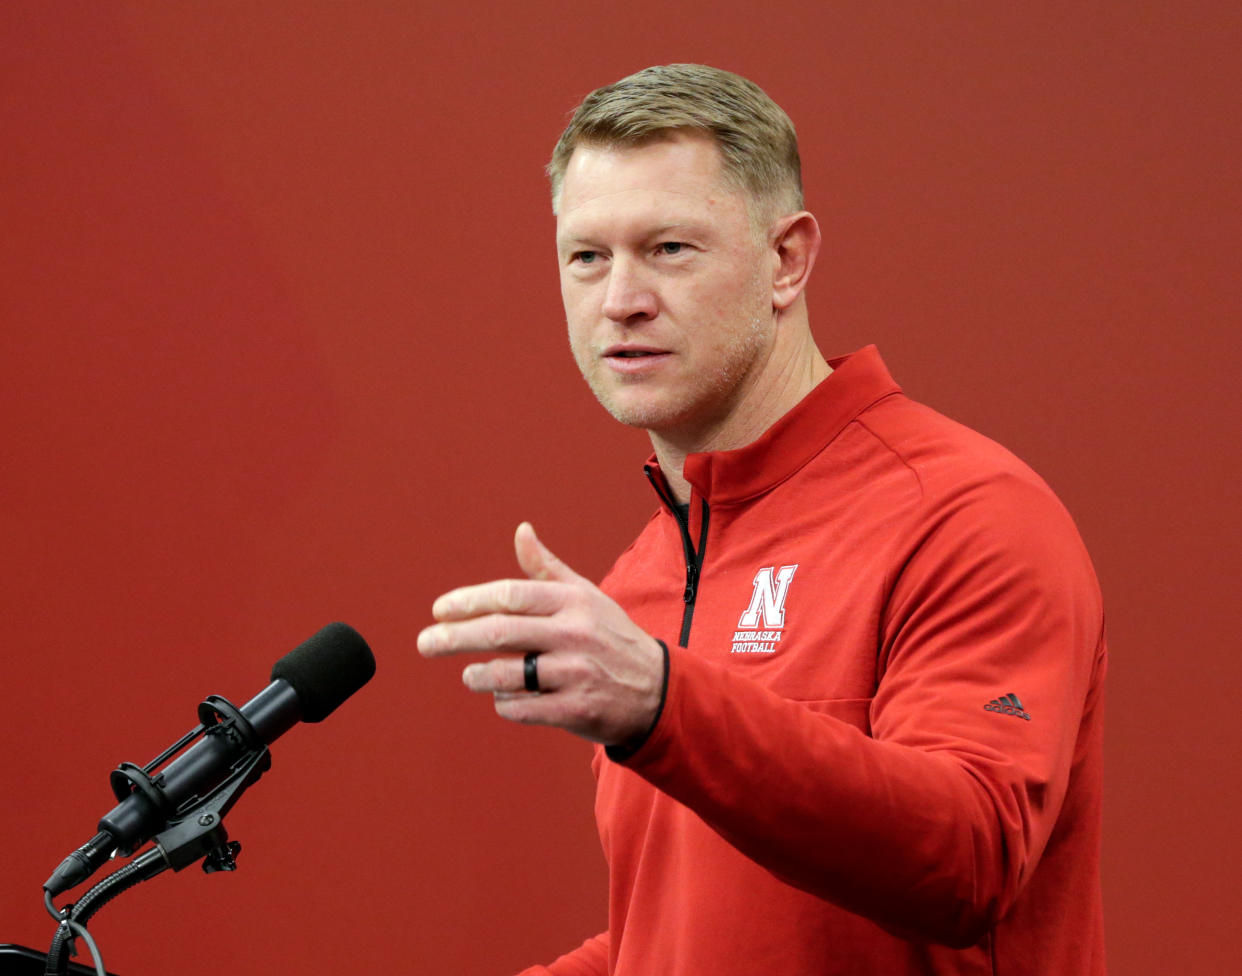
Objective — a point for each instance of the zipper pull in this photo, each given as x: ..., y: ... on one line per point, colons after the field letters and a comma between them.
x: 692, y: 580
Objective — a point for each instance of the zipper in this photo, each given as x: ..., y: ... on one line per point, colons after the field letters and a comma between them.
x: 693, y: 555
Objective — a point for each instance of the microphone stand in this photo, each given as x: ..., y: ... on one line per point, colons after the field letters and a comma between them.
x: 195, y: 832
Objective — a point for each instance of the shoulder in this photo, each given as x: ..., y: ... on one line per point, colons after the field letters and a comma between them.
x: 966, y: 499
x: 942, y: 454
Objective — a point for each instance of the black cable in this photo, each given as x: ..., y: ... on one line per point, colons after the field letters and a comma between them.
x: 62, y: 916
x: 73, y: 918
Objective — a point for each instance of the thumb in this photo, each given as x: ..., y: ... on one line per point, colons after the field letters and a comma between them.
x: 537, y: 560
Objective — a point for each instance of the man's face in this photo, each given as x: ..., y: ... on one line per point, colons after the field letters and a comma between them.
x: 667, y: 287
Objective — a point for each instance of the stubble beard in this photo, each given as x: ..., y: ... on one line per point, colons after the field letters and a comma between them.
x: 706, y: 400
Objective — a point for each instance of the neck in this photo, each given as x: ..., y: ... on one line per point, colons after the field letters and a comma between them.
x: 781, y: 386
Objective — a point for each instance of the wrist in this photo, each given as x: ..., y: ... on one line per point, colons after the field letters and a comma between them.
x: 623, y: 750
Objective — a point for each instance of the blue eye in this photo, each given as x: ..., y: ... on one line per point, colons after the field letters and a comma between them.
x: 585, y: 257
x: 671, y: 247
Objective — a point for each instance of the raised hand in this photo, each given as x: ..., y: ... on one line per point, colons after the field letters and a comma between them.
x: 600, y: 675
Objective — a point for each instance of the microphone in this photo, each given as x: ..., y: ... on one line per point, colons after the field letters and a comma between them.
x: 307, y: 685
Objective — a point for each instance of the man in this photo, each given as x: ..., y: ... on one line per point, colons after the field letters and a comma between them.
x: 846, y: 684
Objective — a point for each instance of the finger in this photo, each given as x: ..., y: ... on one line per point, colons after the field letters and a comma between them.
x: 537, y: 560
x: 535, y: 597
x: 482, y: 635
x: 531, y: 709
x: 507, y: 676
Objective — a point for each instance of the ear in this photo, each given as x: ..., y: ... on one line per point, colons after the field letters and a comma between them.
x: 795, y: 241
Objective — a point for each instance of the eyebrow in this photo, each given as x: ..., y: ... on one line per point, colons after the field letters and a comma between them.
x: 687, y: 227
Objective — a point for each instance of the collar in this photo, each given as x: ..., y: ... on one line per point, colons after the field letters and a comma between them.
x: 857, y: 381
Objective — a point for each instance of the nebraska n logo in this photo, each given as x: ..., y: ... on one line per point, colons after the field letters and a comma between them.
x: 771, y: 588
x: 766, y: 602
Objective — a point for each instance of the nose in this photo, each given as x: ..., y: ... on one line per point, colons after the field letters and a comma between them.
x: 629, y: 295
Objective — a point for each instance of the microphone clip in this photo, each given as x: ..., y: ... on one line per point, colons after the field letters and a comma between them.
x: 216, y: 716
x: 199, y: 832
x: 196, y: 828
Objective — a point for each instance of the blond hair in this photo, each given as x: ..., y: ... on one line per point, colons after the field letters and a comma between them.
x: 757, y: 142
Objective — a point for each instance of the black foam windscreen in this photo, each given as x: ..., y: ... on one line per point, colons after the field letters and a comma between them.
x: 326, y: 669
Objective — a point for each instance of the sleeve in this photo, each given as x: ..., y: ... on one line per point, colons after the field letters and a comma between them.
x: 589, y: 959
x: 930, y: 818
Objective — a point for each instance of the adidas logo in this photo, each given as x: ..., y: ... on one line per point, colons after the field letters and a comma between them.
x: 1007, y: 705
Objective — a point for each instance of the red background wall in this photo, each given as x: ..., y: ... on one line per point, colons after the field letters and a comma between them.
x: 282, y: 344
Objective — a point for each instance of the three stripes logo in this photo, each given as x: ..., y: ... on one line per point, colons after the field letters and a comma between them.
x: 1007, y: 705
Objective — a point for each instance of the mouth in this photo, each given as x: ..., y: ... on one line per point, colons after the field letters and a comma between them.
x: 632, y: 352
x: 634, y: 362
